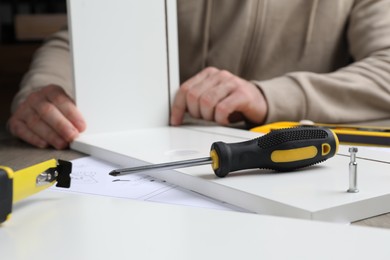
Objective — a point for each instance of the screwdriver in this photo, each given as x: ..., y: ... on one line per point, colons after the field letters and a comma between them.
x: 280, y: 150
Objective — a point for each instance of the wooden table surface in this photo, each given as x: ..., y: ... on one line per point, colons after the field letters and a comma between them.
x: 17, y: 155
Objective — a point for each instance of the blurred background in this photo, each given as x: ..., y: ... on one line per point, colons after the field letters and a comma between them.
x: 24, y: 25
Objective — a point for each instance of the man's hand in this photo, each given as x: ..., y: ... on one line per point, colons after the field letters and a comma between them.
x: 47, y: 117
x: 217, y: 95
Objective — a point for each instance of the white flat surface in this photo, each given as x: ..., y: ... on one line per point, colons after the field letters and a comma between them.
x: 125, y: 62
x: 317, y: 192
x: 53, y: 225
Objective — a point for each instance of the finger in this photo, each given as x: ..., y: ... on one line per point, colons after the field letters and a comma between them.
x: 19, y: 128
x: 226, y: 107
x: 245, y: 98
x: 176, y: 117
x: 37, y: 107
x: 210, y: 99
x: 40, y: 128
x: 225, y: 83
x: 200, y: 90
x: 201, y: 76
x: 179, y: 105
x: 50, y: 114
x: 233, y: 100
x: 248, y: 101
x: 66, y: 106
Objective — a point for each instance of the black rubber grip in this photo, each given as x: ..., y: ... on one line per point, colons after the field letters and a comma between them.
x: 281, y: 150
x: 6, y: 186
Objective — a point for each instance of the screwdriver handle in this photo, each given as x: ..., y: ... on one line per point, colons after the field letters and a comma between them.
x: 281, y: 150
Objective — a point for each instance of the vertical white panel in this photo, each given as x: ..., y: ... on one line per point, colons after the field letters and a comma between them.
x: 120, y: 58
x: 173, y: 48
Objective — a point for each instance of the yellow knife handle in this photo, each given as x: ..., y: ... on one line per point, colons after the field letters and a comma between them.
x: 25, y: 180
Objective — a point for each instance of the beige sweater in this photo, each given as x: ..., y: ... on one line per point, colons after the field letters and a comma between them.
x: 323, y: 60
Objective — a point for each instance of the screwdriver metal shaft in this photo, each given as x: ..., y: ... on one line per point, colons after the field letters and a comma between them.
x: 163, y: 166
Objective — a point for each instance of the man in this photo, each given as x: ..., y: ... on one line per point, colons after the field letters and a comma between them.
x: 255, y: 60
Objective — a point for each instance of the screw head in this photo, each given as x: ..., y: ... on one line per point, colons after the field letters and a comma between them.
x: 353, y: 149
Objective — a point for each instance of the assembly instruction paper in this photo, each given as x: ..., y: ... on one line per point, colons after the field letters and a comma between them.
x: 90, y: 176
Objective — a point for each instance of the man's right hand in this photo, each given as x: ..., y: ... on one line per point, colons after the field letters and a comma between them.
x: 48, y: 117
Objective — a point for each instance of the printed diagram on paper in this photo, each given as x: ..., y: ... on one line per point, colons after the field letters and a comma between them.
x: 90, y: 176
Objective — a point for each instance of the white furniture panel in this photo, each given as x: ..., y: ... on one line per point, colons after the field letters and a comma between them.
x: 317, y: 192
x: 125, y: 61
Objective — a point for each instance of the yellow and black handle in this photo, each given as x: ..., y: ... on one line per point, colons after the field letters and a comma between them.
x: 15, y: 186
x: 280, y: 150
x: 347, y: 134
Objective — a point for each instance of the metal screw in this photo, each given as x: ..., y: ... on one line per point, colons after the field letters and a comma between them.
x: 353, y: 171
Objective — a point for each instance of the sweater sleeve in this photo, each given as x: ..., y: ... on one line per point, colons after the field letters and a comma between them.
x: 357, y: 92
x: 51, y: 64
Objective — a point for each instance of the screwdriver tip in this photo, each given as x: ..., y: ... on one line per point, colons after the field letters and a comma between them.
x: 114, y: 173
